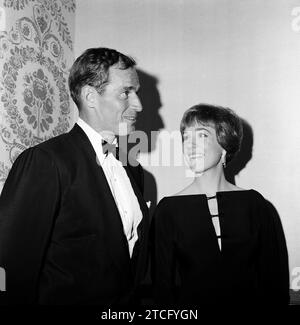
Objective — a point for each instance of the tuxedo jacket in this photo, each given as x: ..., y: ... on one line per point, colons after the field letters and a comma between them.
x: 61, y: 235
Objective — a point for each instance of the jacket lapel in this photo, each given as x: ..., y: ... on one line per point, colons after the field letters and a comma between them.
x: 115, y: 237
x: 139, y: 256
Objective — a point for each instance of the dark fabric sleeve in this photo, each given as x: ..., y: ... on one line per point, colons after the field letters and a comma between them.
x: 28, y: 204
x: 163, y: 256
x: 137, y: 172
x: 141, y: 171
x: 273, y: 258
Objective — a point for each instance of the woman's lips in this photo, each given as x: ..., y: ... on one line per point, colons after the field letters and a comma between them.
x: 199, y: 155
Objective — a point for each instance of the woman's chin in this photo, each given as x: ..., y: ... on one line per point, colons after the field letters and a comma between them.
x: 197, y: 171
x: 197, y: 168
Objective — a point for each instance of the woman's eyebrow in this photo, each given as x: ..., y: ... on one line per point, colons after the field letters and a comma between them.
x: 201, y: 129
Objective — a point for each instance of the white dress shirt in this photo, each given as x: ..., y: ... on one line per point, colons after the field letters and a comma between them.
x: 119, y: 184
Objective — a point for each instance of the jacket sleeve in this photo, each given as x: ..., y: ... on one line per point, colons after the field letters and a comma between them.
x: 28, y: 205
x: 137, y: 172
x: 273, y: 258
x: 141, y: 178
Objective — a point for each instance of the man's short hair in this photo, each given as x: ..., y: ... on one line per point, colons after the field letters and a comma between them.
x: 228, y: 125
x: 92, y: 68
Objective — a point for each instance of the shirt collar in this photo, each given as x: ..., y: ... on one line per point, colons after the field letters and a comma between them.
x: 95, y: 139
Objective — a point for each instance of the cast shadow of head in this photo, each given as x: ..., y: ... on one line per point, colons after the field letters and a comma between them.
x: 150, y: 123
x: 240, y: 161
x: 236, y: 165
x: 280, y: 271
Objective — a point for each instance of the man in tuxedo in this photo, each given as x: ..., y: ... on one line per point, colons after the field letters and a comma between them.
x: 73, y: 221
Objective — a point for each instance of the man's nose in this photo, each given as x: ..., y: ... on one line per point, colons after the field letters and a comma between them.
x: 136, y: 103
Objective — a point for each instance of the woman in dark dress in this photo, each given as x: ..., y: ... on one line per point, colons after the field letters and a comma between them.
x: 215, y: 243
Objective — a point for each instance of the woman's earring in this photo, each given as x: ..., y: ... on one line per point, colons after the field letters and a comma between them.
x: 224, y: 160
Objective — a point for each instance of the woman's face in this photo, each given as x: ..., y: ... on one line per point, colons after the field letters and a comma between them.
x: 201, y: 148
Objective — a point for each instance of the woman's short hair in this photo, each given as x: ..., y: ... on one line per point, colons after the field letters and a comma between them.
x: 92, y: 68
x: 228, y: 125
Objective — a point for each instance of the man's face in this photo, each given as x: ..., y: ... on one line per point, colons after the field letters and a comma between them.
x: 118, y: 105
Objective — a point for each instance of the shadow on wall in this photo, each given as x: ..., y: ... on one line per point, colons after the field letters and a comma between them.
x: 149, y: 119
x: 150, y: 122
x: 236, y: 165
x: 240, y: 161
x: 282, y: 253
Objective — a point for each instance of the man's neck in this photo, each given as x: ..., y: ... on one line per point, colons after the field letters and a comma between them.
x: 108, y: 136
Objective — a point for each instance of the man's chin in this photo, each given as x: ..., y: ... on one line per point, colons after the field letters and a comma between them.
x: 125, y: 129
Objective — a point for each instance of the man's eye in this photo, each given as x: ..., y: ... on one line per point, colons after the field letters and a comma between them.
x: 124, y: 94
x: 202, y: 135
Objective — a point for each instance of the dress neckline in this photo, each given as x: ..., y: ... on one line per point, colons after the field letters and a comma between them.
x: 217, y: 193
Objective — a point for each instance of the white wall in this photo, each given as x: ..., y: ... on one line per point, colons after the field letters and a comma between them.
x: 240, y: 54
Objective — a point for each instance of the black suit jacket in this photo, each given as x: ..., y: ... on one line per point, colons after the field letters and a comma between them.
x: 61, y: 236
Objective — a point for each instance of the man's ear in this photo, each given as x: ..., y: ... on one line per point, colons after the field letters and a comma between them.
x: 88, y: 96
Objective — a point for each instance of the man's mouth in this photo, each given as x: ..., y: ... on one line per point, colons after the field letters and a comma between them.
x: 130, y: 118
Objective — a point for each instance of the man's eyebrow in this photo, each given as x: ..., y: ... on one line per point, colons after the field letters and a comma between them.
x: 132, y: 88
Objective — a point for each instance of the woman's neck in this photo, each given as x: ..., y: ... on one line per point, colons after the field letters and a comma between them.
x: 211, y: 181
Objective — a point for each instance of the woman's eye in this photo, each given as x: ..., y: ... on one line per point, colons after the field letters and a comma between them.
x: 202, y: 135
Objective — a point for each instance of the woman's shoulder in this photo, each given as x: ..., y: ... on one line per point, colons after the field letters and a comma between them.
x: 190, y: 192
x: 260, y: 201
x: 175, y: 203
x: 248, y: 197
x: 234, y: 189
x: 172, y: 199
x: 256, y: 195
x: 249, y: 194
x: 188, y: 195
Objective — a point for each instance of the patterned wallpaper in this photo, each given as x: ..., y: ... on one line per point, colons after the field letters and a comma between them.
x: 36, y: 51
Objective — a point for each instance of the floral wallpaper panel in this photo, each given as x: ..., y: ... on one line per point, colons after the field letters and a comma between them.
x: 36, y: 51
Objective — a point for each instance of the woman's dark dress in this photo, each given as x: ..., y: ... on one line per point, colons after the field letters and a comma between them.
x: 251, y: 267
